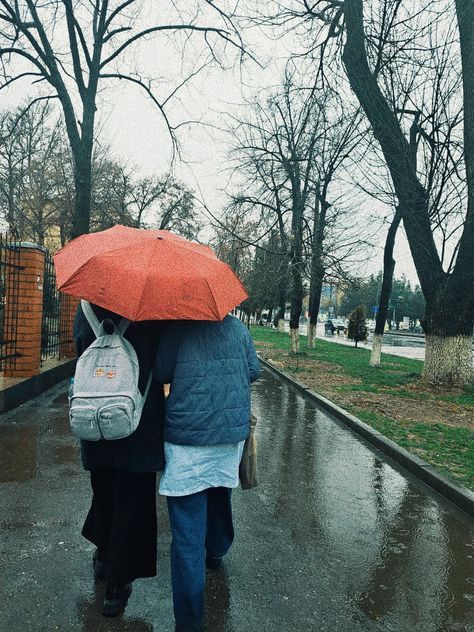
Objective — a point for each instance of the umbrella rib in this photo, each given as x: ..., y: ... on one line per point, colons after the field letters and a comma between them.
x: 145, y: 280
x: 213, y: 299
x: 72, y: 276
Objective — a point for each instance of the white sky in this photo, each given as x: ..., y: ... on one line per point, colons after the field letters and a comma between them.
x: 134, y: 128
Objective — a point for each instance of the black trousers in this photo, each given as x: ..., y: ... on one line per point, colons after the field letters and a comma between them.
x: 122, y: 523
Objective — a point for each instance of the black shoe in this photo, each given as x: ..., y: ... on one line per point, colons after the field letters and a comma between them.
x: 116, y: 598
x: 99, y: 566
x: 213, y: 562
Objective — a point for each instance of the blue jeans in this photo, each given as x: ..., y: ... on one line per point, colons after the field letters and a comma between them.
x: 201, y: 525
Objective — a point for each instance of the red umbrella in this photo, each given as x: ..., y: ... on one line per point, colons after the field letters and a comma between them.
x: 148, y: 275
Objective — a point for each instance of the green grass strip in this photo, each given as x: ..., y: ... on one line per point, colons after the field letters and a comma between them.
x: 447, y: 447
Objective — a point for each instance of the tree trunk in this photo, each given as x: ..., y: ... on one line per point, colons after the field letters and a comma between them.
x: 317, y: 269
x: 294, y: 340
x: 296, y: 284
x: 82, y: 202
x: 448, y: 325
x: 311, y: 335
x: 282, y: 303
x: 376, y: 353
x: 387, y: 279
x: 81, y: 147
x: 296, y: 261
x: 283, y: 280
x: 296, y: 305
x: 448, y: 360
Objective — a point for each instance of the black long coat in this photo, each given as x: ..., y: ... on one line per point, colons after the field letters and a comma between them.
x: 143, y: 450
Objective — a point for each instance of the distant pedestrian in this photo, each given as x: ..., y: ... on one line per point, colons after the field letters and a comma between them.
x: 210, y: 366
x: 122, y: 518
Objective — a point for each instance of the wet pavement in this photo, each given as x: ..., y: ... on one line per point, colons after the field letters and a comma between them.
x: 334, y: 539
x: 404, y: 346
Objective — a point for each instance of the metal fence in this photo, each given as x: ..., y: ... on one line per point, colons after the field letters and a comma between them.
x: 55, y: 330
x: 9, y: 286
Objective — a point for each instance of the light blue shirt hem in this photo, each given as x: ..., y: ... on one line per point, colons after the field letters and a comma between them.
x: 192, y: 469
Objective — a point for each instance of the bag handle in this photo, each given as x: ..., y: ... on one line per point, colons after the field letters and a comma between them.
x: 96, y: 326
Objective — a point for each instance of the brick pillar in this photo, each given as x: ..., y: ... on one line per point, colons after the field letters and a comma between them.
x: 69, y: 306
x: 30, y: 312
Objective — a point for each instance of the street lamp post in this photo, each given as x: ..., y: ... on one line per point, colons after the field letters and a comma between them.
x: 395, y: 301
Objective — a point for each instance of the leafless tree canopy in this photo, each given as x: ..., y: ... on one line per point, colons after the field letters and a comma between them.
x: 37, y: 185
x: 73, y: 48
x: 410, y: 67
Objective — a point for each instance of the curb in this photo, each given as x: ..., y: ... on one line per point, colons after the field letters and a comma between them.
x: 462, y: 497
x: 31, y: 387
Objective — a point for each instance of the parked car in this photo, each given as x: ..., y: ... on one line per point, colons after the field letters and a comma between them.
x: 334, y: 325
x: 370, y: 325
x: 339, y: 324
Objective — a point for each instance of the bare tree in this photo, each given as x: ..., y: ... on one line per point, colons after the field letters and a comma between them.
x: 265, y: 198
x: 386, y: 289
x: 29, y: 148
x: 339, y: 135
x: 395, y: 40
x: 12, y: 171
x: 99, y: 34
x: 279, y: 143
x: 152, y: 202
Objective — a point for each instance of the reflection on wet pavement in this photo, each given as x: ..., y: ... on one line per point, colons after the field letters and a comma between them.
x: 18, y: 453
x: 387, y: 551
x: 333, y: 539
x: 218, y: 600
x: 87, y: 610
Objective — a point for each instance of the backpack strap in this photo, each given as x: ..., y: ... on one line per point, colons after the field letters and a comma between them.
x: 91, y: 317
x: 123, y: 325
x: 148, y: 386
x: 95, y: 324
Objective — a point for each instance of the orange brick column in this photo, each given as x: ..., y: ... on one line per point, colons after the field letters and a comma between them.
x: 69, y: 306
x: 30, y: 312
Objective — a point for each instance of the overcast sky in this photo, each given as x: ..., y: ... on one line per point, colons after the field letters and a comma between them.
x: 135, y: 129
x: 136, y: 132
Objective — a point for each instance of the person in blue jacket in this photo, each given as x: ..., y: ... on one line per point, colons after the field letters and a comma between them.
x: 209, y: 366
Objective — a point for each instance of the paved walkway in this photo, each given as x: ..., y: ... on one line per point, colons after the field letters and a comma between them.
x: 334, y: 539
x: 414, y: 352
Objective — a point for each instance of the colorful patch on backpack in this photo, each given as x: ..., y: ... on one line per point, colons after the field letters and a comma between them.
x: 111, y: 373
x: 99, y: 371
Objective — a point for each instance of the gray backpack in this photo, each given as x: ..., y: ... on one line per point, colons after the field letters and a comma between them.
x: 106, y: 402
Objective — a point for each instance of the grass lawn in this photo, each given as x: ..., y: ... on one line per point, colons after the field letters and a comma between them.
x: 436, y: 425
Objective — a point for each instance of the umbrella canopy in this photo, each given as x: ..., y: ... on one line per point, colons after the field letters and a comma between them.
x: 148, y: 275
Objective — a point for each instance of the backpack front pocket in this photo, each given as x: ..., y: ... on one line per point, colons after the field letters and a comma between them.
x: 84, y: 423
x: 116, y: 421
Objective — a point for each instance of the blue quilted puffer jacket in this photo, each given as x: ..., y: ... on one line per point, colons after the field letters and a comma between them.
x: 210, y: 366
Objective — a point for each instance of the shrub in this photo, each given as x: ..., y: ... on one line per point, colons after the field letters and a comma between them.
x: 357, y: 329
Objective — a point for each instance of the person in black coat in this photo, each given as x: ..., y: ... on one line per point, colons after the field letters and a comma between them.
x: 121, y: 521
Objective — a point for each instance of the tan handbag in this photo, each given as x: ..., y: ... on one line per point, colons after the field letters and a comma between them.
x: 248, y: 464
